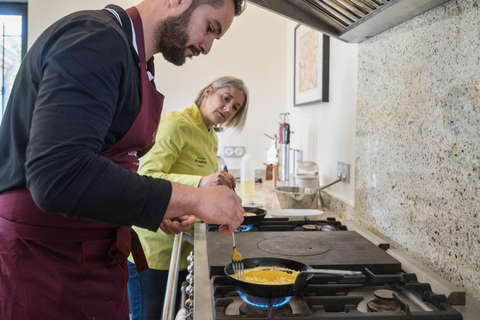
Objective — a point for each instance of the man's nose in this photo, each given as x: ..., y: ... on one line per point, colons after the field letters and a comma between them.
x: 206, y: 45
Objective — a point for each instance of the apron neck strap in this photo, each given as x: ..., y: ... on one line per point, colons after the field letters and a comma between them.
x: 124, y: 21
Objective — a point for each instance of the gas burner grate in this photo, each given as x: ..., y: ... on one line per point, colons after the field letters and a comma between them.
x: 284, y: 224
x: 330, y: 299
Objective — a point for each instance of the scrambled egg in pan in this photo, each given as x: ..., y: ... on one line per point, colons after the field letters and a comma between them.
x: 249, y: 214
x: 269, y: 275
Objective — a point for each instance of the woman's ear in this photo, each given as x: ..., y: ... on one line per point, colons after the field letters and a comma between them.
x: 208, y: 90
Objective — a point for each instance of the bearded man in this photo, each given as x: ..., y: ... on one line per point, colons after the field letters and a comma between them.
x: 82, y: 111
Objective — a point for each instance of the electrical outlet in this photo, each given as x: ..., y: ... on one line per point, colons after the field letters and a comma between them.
x: 234, y: 152
x: 343, y: 171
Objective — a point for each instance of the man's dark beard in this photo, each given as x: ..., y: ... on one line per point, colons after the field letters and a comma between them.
x: 173, y: 37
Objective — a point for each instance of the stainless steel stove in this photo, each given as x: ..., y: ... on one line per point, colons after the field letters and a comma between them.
x: 384, y: 291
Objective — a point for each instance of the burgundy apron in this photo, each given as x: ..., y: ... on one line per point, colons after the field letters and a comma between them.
x: 57, y: 267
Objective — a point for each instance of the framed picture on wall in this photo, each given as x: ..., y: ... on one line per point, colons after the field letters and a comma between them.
x: 311, y: 71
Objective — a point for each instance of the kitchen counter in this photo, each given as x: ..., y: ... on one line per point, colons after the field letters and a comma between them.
x: 266, y: 198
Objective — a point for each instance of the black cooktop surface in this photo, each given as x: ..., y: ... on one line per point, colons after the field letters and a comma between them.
x: 346, y: 250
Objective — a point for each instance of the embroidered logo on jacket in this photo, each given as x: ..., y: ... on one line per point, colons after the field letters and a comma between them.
x: 200, y: 162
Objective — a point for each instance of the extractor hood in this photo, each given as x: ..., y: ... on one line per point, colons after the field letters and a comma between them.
x: 349, y: 20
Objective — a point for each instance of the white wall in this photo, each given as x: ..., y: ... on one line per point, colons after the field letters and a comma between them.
x: 42, y: 13
x: 325, y: 131
x: 259, y: 49
x: 253, y: 49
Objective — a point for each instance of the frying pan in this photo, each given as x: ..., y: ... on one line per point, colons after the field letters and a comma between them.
x: 280, y: 290
x: 259, y: 215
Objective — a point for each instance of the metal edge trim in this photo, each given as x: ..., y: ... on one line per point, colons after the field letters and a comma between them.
x: 203, y: 301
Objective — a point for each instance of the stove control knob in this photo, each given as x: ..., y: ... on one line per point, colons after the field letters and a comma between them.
x: 189, y: 291
x: 309, y: 227
x: 189, y: 304
x: 190, y: 269
x: 190, y: 279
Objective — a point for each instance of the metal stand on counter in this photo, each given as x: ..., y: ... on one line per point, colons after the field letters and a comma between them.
x: 284, y: 148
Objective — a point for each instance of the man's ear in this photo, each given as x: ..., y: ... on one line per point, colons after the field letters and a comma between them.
x: 180, y: 3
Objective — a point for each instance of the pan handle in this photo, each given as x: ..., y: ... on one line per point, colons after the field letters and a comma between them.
x: 301, y: 279
x: 334, y: 272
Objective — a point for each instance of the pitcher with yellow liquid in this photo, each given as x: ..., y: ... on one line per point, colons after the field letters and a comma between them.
x: 247, y: 176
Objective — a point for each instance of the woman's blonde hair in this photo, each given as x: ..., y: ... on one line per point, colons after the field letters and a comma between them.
x: 239, y: 119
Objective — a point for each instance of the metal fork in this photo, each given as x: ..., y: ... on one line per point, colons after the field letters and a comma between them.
x: 237, y: 259
x: 237, y: 262
x: 224, y: 167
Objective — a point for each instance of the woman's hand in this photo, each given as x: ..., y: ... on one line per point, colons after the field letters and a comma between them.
x: 220, y: 178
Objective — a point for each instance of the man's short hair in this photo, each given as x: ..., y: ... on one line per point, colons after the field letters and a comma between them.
x: 239, y: 4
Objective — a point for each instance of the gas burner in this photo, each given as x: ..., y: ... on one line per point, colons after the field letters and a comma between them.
x: 250, y: 310
x: 244, y: 228
x: 327, y: 227
x: 318, y: 227
x: 384, y: 301
x: 309, y: 227
x: 263, y: 307
x: 263, y: 303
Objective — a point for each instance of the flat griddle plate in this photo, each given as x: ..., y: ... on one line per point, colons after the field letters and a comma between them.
x: 295, y: 247
x: 345, y: 250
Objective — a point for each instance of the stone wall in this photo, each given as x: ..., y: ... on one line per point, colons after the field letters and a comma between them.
x: 418, y: 140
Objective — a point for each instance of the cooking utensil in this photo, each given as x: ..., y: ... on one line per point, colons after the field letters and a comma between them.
x: 280, y: 290
x: 300, y: 198
x: 296, y: 197
x: 259, y: 215
x: 225, y: 168
x: 237, y: 261
x: 249, y: 220
x: 188, y: 237
x: 307, y: 175
x: 304, y: 180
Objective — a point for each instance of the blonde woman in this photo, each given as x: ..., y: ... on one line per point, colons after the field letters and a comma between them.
x: 185, y: 151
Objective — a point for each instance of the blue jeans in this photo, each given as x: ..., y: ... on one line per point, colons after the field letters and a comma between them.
x: 146, y: 292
